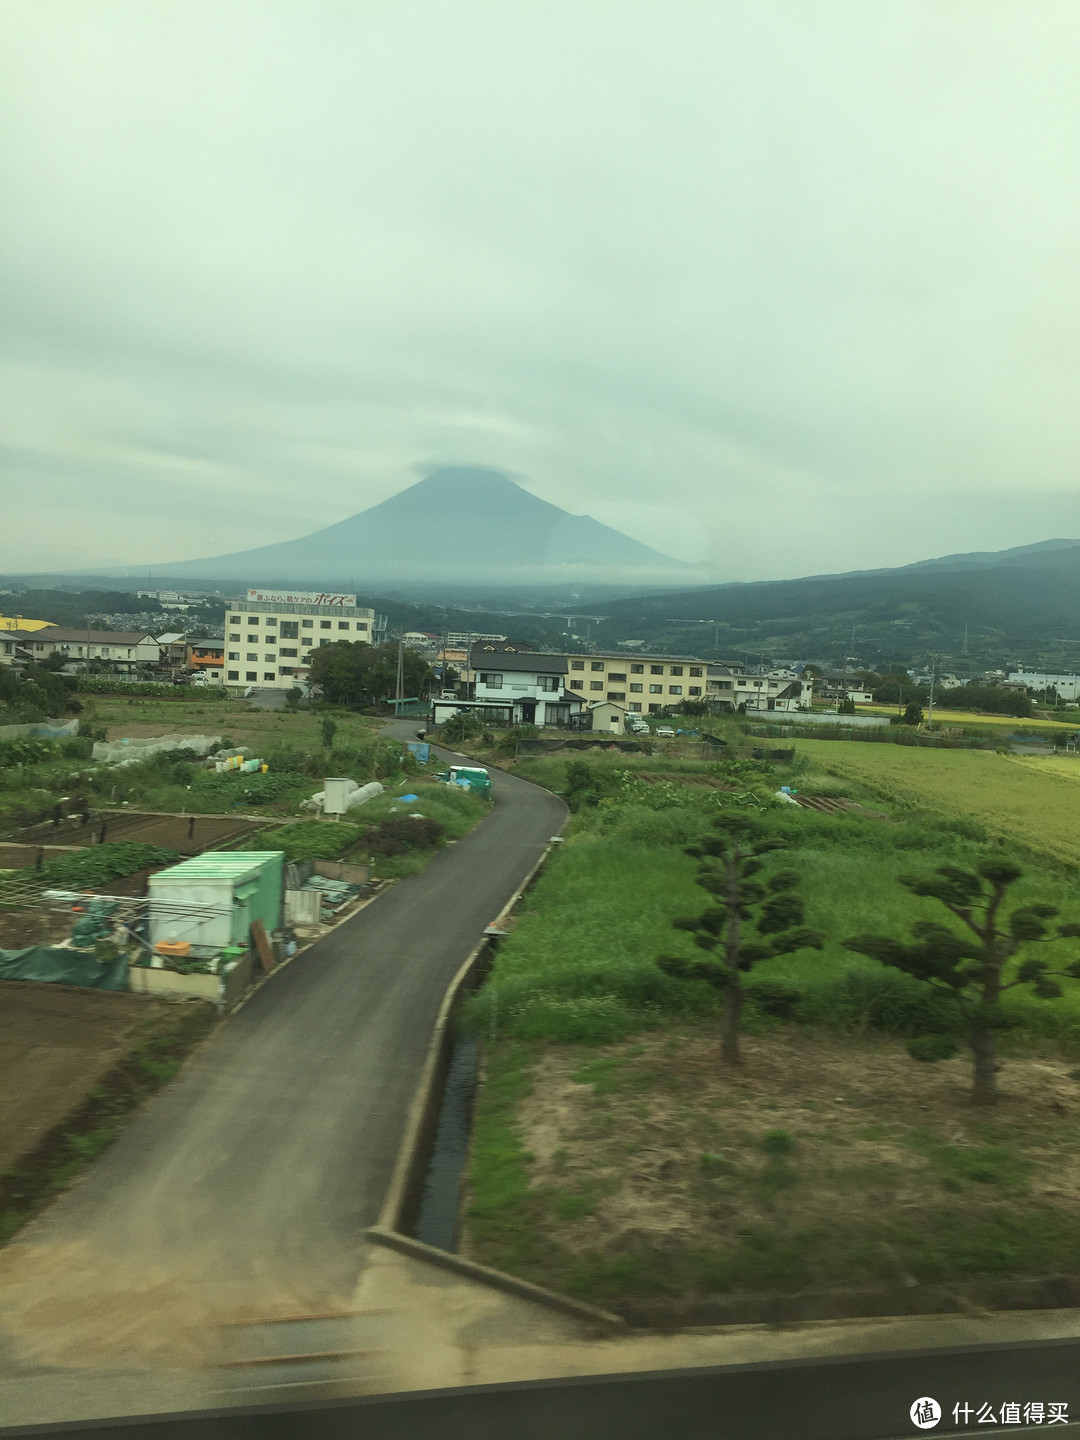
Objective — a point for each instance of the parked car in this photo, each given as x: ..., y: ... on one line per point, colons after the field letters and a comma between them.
x: 666, y: 731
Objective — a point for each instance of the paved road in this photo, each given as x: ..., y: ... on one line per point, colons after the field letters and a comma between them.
x: 248, y: 1180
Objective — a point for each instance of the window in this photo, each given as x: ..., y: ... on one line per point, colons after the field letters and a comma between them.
x: 616, y: 694
x: 655, y: 709
x: 635, y: 705
x: 695, y: 689
x: 290, y: 630
x: 306, y: 625
x: 549, y: 683
x: 234, y: 655
x: 235, y: 637
x: 656, y: 669
x: 656, y: 689
x: 342, y: 624
x: 234, y: 674
x: 253, y: 619
x: 283, y: 652
x: 617, y: 679
x: 577, y: 684
x: 249, y: 658
x: 269, y: 675
x: 271, y: 658
x: 674, y: 689
x: 324, y: 624
x: 253, y: 639
x: 577, y: 664
x: 596, y: 664
x: 236, y: 620
x: 637, y: 669
x: 361, y: 624
x: 285, y: 670
x: 758, y: 684
x: 596, y: 684
x: 270, y: 620
x: 635, y: 689
x: 676, y: 670
x: 723, y: 684
x: 493, y: 682
x: 696, y: 670
x: 324, y: 642
x: 251, y: 675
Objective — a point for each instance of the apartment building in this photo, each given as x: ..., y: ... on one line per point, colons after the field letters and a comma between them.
x: 647, y: 685
x: 270, y: 637
x: 653, y: 684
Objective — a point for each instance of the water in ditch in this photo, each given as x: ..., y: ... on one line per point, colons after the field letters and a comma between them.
x: 437, y: 1222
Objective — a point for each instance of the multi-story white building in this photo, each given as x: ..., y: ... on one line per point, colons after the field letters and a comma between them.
x: 1067, y: 686
x: 269, y: 639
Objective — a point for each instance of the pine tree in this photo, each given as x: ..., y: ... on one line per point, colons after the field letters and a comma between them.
x: 730, y: 857
x: 971, y: 965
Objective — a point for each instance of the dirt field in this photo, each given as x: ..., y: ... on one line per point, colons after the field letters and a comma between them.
x: 56, y: 1044
x: 187, y: 833
x: 653, y: 1175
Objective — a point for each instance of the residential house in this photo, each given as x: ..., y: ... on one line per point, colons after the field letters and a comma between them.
x: 508, y: 686
x: 732, y: 686
x: 123, y: 649
x: 173, y: 647
x: 206, y: 658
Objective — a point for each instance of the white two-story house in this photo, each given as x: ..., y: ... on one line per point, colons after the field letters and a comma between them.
x: 730, y: 686
x: 508, y: 686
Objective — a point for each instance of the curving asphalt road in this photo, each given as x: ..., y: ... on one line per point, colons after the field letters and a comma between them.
x: 247, y: 1181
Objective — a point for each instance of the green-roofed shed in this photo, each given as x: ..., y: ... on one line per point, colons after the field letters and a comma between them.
x: 212, y: 899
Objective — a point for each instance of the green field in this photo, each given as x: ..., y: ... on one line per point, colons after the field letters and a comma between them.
x: 615, y: 1158
x: 1030, y: 800
x: 946, y: 718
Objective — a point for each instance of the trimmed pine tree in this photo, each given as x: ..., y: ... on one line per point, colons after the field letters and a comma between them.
x: 970, y: 964
x: 749, y: 921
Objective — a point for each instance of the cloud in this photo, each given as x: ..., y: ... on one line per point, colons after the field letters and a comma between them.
x: 795, y: 288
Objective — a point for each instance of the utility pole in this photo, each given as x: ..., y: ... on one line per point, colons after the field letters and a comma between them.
x: 400, y: 676
x: 930, y: 703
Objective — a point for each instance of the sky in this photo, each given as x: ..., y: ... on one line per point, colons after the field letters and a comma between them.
x: 781, y: 288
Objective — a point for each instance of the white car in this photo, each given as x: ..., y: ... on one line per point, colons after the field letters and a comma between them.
x: 666, y: 731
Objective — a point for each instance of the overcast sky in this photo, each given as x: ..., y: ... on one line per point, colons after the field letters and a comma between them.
x: 785, y: 287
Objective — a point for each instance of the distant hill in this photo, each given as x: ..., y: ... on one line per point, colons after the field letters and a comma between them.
x: 1023, y: 602
x: 459, y: 526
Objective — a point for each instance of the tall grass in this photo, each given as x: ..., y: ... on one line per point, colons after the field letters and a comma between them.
x: 580, y: 965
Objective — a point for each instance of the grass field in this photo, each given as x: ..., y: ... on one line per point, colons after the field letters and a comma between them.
x: 614, y: 1158
x: 1025, y: 799
x: 239, y: 721
x: 1007, y: 723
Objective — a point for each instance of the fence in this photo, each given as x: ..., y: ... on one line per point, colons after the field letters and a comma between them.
x: 41, y: 730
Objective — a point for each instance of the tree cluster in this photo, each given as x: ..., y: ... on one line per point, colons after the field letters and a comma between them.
x: 356, y: 674
x: 992, y: 950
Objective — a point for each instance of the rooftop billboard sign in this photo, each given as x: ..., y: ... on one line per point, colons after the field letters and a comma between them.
x: 302, y: 597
